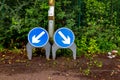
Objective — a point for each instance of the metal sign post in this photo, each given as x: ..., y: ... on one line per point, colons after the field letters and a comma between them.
x: 38, y: 37
x: 51, y: 18
x: 64, y: 38
x: 51, y: 23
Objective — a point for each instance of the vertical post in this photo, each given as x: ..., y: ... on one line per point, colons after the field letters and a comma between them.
x: 51, y: 18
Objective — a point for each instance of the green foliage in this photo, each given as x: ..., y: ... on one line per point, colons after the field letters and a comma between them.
x: 98, y: 19
x: 65, y: 14
x: 100, y: 30
x: 87, y: 46
x: 93, y: 47
x: 19, y: 18
x: 81, y: 44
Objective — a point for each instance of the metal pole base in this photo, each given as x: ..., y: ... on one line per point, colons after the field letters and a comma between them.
x: 55, y: 48
x: 29, y: 50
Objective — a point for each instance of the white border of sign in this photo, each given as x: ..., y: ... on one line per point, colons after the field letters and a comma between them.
x: 32, y: 43
x: 69, y: 30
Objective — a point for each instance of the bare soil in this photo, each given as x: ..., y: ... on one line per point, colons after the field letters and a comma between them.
x: 18, y: 67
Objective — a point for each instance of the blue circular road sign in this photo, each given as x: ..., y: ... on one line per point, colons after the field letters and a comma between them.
x: 38, y: 37
x: 64, y: 37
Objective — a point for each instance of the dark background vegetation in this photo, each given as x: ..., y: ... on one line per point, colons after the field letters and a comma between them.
x: 95, y: 23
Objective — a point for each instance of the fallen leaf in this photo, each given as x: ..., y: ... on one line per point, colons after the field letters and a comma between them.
x: 118, y: 66
x: 112, y: 73
x: 49, y: 78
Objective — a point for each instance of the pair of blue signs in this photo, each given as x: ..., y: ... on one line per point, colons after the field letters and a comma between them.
x: 63, y: 37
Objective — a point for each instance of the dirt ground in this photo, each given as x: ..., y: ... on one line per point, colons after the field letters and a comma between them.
x: 14, y: 67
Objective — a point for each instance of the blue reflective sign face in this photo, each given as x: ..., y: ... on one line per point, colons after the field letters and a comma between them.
x: 64, y: 37
x: 38, y: 37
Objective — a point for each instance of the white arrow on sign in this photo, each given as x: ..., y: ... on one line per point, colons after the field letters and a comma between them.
x: 35, y: 39
x: 66, y: 39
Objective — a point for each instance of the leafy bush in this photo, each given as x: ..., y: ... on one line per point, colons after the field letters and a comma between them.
x: 98, y: 19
